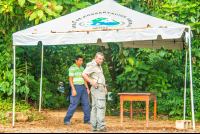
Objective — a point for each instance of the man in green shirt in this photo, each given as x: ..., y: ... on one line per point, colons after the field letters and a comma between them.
x: 79, y: 91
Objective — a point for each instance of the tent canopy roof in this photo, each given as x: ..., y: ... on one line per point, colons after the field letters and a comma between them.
x: 108, y: 21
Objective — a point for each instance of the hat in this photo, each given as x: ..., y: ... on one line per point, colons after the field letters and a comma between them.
x: 60, y: 83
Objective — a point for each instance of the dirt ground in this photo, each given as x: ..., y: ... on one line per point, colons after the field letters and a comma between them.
x: 53, y: 123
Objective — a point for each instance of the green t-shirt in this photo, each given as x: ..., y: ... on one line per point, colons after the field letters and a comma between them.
x: 76, y: 72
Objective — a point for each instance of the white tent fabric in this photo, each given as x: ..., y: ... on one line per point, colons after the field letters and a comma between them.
x: 107, y: 20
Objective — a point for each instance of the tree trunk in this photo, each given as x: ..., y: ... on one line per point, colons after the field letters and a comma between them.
x: 111, y: 66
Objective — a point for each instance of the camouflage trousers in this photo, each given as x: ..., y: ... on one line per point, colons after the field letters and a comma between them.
x: 98, y: 108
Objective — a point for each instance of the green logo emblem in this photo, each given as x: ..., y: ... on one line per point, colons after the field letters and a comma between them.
x: 101, y: 22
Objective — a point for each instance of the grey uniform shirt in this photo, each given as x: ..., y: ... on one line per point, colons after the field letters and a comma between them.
x: 95, y: 73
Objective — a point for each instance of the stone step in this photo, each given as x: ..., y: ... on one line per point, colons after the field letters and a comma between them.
x: 183, y: 124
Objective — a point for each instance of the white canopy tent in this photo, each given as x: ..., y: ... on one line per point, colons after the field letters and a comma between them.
x: 106, y: 22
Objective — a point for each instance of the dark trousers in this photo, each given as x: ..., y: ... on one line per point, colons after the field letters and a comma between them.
x: 74, y: 100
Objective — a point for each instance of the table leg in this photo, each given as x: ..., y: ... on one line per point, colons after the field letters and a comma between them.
x: 147, y: 112
x: 154, y: 109
x: 131, y: 110
x: 122, y: 103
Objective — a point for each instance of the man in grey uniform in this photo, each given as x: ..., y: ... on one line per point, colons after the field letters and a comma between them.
x: 93, y: 73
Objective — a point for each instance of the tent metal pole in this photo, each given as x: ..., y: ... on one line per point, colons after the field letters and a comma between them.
x: 41, y: 80
x: 185, y: 85
x: 191, y: 86
x: 13, y: 120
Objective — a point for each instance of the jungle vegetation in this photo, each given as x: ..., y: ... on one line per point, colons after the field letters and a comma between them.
x: 126, y: 69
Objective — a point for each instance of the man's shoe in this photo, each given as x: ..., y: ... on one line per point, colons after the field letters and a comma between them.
x: 93, y: 128
x: 87, y: 122
x: 103, y: 130
x: 67, y: 123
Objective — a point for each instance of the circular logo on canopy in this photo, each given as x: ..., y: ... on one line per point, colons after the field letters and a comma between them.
x: 102, y: 20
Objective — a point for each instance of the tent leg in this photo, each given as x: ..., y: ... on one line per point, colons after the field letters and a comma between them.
x: 185, y: 85
x: 191, y: 86
x: 41, y: 80
x: 13, y: 120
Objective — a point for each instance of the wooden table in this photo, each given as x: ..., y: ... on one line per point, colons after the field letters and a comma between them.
x: 138, y: 97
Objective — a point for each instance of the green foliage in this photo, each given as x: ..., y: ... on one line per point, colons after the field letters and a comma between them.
x: 2, y: 116
x: 185, y: 12
x: 7, y: 106
x: 126, y: 69
x: 134, y: 80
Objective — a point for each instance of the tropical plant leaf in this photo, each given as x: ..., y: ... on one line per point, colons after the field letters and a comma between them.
x: 68, y: 1
x: 171, y: 113
x: 17, y: 82
x: 87, y: 4
x: 140, y: 82
x: 33, y: 1
x: 58, y: 8
x: 33, y: 16
x: 37, y: 20
x: 50, y: 12
x: 128, y: 69
x: 21, y: 2
x: 44, y: 18
x: 131, y: 61
x: 192, y: 10
x: 80, y: 5
x: 73, y: 9
x: 40, y: 14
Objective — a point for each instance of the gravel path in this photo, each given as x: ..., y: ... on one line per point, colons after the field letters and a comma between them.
x: 53, y: 123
